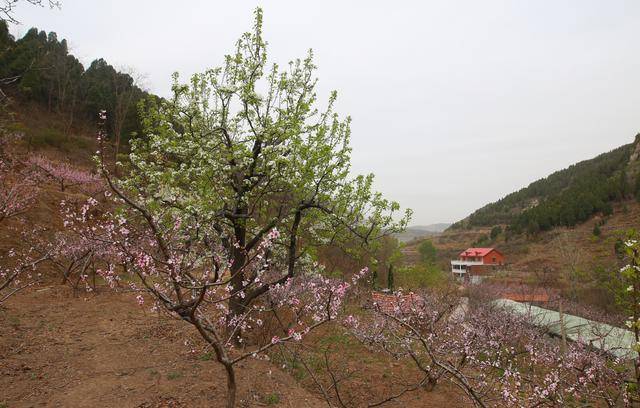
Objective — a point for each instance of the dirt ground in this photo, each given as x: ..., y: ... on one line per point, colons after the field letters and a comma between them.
x: 101, y: 350
x: 61, y: 351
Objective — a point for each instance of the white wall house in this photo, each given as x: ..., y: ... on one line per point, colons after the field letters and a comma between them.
x: 462, y: 268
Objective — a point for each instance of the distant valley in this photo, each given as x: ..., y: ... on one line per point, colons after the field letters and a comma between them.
x: 420, y: 231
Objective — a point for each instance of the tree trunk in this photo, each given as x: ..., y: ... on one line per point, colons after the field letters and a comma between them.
x: 636, y: 316
x: 236, y: 302
x: 116, y: 150
x: 563, y: 331
x: 221, y: 357
x: 231, y: 385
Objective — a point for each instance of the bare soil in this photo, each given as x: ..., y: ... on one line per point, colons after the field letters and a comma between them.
x: 99, y: 351
x: 102, y: 350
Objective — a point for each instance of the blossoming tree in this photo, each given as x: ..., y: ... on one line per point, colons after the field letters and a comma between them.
x: 629, y: 295
x: 65, y: 175
x: 236, y: 182
x: 243, y: 149
x: 494, y: 357
x: 187, y: 272
x: 17, y: 194
x: 17, y: 187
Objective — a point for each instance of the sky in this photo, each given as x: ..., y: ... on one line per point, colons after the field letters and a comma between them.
x: 454, y: 103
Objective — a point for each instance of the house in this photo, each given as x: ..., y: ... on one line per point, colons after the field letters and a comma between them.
x: 473, y: 263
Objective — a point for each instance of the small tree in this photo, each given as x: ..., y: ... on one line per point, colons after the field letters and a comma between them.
x: 428, y: 252
x: 81, y: 251
x: 596, y: 230
x: 495, y: 232
x: 64, y: 174
x: 17, y: 194
x: 571, y: 257
x: 390, y: 282
x: 629, y: 293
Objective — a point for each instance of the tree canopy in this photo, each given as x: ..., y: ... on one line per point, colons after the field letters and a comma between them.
x: 244, y: 149
x: 427, y: 252
x: 39, y: 68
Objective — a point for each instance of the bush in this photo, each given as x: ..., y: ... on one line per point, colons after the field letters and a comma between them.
x: 482, y: 241
x: 596, y: 230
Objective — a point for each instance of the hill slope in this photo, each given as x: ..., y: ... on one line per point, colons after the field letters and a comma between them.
x: 566, y: 197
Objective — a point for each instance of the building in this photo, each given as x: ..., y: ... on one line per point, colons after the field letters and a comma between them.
x: 473, y: 263
x: 618, y: 342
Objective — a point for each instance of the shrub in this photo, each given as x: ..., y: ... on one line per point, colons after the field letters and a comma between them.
x: 596, y: 230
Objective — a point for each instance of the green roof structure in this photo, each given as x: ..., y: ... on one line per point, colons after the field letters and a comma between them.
x: 614, y: 340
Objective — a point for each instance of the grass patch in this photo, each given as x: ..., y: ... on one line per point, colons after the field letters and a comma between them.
x: 174, y: 375
x: 419, y: 276
x: 46, y: 137
x: 332, y: 339
x: 206, y: 356
x: 52, y: 137
x: 272, y: 399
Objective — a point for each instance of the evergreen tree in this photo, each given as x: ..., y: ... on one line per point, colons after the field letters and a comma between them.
x: 596, y: 230
x: 495, y: 232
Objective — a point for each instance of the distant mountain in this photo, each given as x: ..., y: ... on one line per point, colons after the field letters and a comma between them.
x: 566, y: 197
x: 419, y: 231
x: 438, y: 227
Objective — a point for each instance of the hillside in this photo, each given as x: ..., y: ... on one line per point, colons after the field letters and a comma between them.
x: 42, y: 78
x: 566, y: 197
x: 552, y: 258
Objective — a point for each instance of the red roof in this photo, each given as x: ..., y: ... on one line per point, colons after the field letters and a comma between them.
x: 476, y: 251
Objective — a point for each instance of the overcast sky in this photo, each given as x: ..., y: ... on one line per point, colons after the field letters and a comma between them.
x: 454, y: 103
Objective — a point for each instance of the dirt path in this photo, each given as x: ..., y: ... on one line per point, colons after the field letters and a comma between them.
x: 61, y: 351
